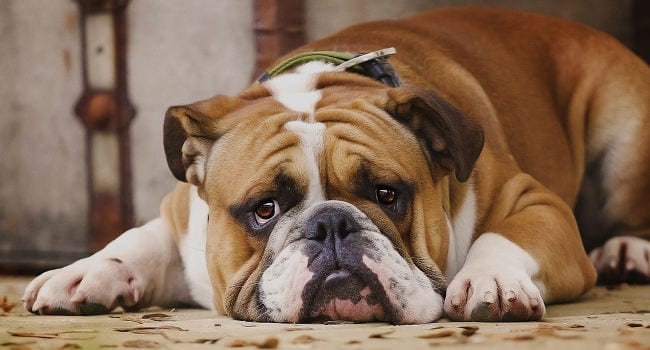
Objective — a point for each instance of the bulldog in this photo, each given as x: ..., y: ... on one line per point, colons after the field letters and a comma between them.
x: 352, y: 184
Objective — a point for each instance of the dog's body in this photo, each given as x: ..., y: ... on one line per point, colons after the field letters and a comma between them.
x: 332, y: 195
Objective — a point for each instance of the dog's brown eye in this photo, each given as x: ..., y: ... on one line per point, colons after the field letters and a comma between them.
x: 386, y: 195
x: 266, y: 210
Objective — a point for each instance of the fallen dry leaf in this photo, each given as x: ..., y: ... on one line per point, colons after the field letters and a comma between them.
x: 269, y: 343
x: 336, y: 322
x: 157, y: 317
x: 69, y: 346
x: 128, y: 318
x: 17, y: 343
x: 5, y: 305
x: 468, y: 331
x: 381, y: 335
x: 441, y: 333
x: 634, y: 325
x: 149, y: 330
x: 141, y: 344
x: 303, y: 339
x: 73, y: 334
x: 43, y: 335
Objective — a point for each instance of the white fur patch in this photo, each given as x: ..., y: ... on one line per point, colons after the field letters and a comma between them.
x: 311, y: 141
x: 193, y: 252
x: 406, y: 287
x: 282, y: 285
x: 461, y: 230
x: 492, y: 255
x: 297, y: 90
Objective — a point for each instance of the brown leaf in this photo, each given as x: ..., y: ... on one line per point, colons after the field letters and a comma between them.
x: 381, y: 335
x: 442, y: 333
x: 336, y: 322
x: 69, y: 346
x: 73, y: 334
x: 127, y: 318
x: 43, y: 335
x: 141, y: 344
x: 237, y: 343
x: 157, y: 317
x: 468, y: 331
x: 634, y: 325
x: 17, y: 343
x: 203, y: 341
x: 354, y: 341
x: 5, y: 305
x: 269, y: 343
x: 148, y: 330
x: 303, y: 339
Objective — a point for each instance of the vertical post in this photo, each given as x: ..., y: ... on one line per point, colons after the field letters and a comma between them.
x: 279, y: 28
x: 106, y: 112
x: 641, y: 26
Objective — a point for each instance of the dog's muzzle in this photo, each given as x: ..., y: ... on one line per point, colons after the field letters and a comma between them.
x: 340, y: 266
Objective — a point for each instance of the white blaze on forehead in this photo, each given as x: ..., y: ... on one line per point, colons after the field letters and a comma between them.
x: 311, y: 142
x: 297, y: 90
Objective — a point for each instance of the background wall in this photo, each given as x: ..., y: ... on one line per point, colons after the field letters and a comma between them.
x: 179, y: 52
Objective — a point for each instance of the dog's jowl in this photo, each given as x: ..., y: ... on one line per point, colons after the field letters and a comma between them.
x: 359, y: 182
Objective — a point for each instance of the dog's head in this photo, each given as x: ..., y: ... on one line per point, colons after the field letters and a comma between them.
x: 327, y: 195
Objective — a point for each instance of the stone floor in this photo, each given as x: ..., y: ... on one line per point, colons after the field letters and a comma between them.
x: 611, y: 319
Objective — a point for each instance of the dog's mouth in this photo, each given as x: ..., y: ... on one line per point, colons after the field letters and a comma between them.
x: 342, y: 295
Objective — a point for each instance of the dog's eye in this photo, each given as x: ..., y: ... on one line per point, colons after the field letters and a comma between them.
x: 266, y: 210
x: 386, y: 195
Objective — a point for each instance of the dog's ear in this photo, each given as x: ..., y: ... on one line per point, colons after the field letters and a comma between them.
x: 189, y: 132
x: 453, y: 140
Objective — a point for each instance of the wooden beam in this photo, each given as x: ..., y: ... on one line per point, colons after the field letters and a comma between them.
x: 279, y: 28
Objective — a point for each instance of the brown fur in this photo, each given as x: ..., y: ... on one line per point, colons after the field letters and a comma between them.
x: 544, y: 91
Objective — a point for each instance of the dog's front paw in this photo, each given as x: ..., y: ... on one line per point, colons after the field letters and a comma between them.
x: 87, y: 287
x: 622, y: 259
x: 489, y: 294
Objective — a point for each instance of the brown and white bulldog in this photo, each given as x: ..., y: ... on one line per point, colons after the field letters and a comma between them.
x: 331, y: 193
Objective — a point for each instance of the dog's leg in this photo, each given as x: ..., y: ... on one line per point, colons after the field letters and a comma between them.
x: 530, y: 254
x: 141, y: 267
x: 618, y: 155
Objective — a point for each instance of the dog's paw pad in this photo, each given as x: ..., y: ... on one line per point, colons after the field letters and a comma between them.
x: 509, y: 296
x: 84, y: 288
x: 87, y: 309
x: 622, y: 259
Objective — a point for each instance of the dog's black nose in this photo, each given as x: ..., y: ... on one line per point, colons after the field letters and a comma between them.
x: 330, y: 225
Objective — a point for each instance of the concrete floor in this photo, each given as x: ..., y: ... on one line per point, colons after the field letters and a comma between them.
x: 603, y: 319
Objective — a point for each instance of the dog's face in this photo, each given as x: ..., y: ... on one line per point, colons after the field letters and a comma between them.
x: 326, y: 204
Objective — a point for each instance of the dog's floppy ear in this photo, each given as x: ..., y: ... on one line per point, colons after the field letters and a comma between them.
x: 190, y: 131
x: 452, y: 139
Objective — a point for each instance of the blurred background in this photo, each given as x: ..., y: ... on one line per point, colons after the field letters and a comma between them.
x: 85, y: 85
